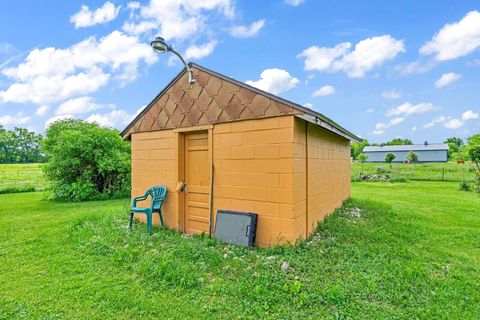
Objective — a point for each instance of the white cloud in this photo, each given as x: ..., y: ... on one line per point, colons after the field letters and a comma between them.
x: 133, y: 5
x: 447, y: 79
x: 453, y: 124
x: 247, y: 31
x: 308, y: 105
x: 309, y: 77
x: 370, y: 110
x: 455, y: 39
x: 42, y: 110
x: 396, y: 121
x: 324, y: 91
x: 391, y: 94
x: 198, y: 52
x: 138, y: 28
x: 6, y: 48
x: 114, y: 119
x: 415, y: 67
x: 44, y: 89
x: 414, y: 128
x: 366, y: 55
x: 177, y: 19
x: 18, y: 119
x: 469, y: 115
x: 57, y: 118
x: 322, y: 58
x: 87, y: 18
x: 293, y: 3
x: 78, y: 105
x: 450, y: 123
x: 380, y: 127
x: 408, y: 109
x: 51, y: 74
x: 440, y: 119
x: 274, y: 81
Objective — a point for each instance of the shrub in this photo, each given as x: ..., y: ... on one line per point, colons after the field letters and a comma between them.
x: 465, y: 186
x: 474, y: 154
x: 362, y: 158
x: 378, y: 178
x: 476, y: 181
x: 86, y: 161
x: 389, y: 158
x: 17, y: 189
x: 412, y: 156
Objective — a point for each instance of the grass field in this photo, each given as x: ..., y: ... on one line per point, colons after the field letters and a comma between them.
x: 448, y: 171
x: 21, y: 176
x: 412, y: 253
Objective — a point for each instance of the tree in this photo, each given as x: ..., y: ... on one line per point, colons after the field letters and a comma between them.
x: 454, y: 145
x: 464, y: 152
x: 389, y: 158
x: 454, y: 141
x: 357, y: 148
x: 86, y: 161
x: 474, y: 140
x: 474, y: 154
x: 398, y: 142
x: 412, y: 157
x: 20, y: 146
x: 362, y: 157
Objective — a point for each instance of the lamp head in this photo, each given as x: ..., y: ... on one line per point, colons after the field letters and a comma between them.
x: 159, y: 45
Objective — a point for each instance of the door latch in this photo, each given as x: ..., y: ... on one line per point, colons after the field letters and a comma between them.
x: 181, y: 186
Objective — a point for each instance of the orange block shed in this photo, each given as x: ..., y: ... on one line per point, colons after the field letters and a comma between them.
x: 285, y: 162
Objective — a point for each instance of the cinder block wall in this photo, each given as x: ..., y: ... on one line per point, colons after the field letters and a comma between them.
x: 328, y: 174
x: 154, y: 162
x: 254, y: 172
x: 253, y: 162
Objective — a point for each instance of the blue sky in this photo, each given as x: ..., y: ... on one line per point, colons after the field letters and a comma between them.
x: 381, y: 69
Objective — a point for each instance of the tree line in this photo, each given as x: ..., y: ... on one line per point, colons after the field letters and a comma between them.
x: 20, y: 146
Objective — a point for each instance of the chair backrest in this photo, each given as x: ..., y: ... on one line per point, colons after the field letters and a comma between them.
x: 158, y: 194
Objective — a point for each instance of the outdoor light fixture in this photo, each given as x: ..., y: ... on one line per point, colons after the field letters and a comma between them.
x: 159, y: 45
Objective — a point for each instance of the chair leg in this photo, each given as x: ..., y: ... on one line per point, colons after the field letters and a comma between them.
x: 161, y: 217
x: 131, y: 220
x: 149, y: 223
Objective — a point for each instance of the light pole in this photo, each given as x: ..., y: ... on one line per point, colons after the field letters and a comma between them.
x: 159, y: 45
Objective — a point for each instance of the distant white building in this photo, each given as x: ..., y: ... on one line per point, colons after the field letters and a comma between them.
x: 435, y: 152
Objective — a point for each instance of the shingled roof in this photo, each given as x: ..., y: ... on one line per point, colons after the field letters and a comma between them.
x: 215, y: 98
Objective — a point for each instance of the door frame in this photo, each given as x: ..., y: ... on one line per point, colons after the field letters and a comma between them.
x: 180, y: 153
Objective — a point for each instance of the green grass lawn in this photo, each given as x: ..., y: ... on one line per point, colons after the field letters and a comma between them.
x: 413, y: 253
x: 20, y: 176
x: 440, y: 171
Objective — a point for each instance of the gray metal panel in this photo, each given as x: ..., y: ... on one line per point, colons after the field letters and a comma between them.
x: 423, y: 156
x: 408, y: 147
x: 235, y: 227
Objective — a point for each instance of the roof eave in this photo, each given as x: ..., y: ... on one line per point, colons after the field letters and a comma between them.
x: 325, y: 125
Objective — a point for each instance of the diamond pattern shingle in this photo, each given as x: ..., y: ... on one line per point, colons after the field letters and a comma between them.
x: 209, y: 100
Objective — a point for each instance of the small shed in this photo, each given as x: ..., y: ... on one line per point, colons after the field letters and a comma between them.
x: 435, y: 152
x: 285, y: 162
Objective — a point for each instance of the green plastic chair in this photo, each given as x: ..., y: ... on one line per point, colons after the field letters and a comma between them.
x: 158, y: 195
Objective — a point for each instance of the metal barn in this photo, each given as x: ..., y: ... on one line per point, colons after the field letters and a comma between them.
x: 435, y: 152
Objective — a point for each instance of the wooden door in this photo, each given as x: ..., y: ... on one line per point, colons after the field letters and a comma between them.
x: 197, y: 180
